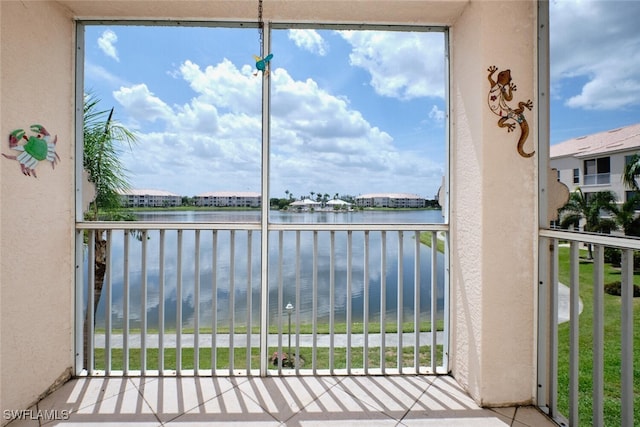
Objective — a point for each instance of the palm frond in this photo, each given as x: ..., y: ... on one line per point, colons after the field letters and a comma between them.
x: 103, y: 142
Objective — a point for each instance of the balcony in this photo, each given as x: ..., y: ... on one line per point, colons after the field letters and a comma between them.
x: 272, y: 401
x: 315, y: 264
x: 153, y: 363
x: 597, y: 179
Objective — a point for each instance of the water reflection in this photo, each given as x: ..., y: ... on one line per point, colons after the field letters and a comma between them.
x: 227, y: 256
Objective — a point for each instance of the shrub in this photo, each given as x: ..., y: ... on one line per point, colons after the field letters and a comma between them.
x: 614, y: 257
x: 615, y: 288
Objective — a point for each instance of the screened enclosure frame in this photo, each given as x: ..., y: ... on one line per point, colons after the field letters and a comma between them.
x: 265, y: 227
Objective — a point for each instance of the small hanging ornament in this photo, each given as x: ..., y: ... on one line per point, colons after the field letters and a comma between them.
x: 262, y: 63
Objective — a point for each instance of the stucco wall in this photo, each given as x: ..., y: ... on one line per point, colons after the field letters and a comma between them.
x: 493, y: 190
x: 493, y: 207
x: 36, y: 223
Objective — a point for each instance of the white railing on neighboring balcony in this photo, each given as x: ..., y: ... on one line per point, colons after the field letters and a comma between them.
x: 572, y: 385
x: 187, y: 299
x: 597, y: 179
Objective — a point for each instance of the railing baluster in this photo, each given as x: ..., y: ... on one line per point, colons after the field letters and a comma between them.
x: 574, y: 330
x: 90, y: 327
x: 249, y: 301
x: 383, y: 299
x: 598, y: 335
x: 179, y: 305
x: 348, y: 299
x: 553, y: 328
x: 574, y: 312
x: 434, y: 299
x: 314, y: 305
x: 626, y: 296
x: 280, y: 297
x: 332, y: 299
x: 444, y: 362
x: 108, y: 309
x: 196, y: 306
x: 399, y: 308
x: 126, y: 309
x: 365, y: 308
x: 214, y: 301
x: 297, y: 307
x: 416, y: 302
x: 161, y: 304
x: 232, y: 299
x: 143, y: 308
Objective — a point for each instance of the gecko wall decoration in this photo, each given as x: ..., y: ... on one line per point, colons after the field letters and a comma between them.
x: 500, y: 93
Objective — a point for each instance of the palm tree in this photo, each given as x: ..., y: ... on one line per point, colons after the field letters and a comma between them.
x: 626, y: 218
x: 101, y: 161
x: 101, y: 156
x: 631, y: 170
x: 589, y: 207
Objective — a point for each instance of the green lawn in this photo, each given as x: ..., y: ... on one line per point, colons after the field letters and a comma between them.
x: 612, y: 345
x: 239, y: 357
x: 305, y: 328
x: 425, y: 238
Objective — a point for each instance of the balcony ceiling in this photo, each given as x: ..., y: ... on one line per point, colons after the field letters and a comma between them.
x: 433, y: 12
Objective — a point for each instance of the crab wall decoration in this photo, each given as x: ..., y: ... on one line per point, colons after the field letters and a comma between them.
x: 34, y: 148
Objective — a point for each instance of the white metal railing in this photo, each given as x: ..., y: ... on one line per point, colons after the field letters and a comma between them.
x: 562, y: 364
x: 187, y: 299
x: 597, y: 179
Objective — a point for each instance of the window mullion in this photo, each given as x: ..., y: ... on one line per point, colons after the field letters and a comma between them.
x: 264, y: 221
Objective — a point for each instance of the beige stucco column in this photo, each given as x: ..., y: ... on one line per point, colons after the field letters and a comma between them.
x: 493, y: 206
x: 37, y: 214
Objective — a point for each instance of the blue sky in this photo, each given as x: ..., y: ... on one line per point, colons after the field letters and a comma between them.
x: 352, y: 112
x: 595, y: 66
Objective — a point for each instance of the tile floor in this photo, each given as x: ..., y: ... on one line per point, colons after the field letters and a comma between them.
x: 274, y: 401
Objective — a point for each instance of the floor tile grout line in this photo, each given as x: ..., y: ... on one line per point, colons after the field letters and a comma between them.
x: 141, y: 393
x: 338, y: 382
x: 365, y: 404
x: 415, y: 402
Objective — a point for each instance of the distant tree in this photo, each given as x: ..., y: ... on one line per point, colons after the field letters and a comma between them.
x: 279, y: 203
x: 589, y: 208
x: 626, y: 218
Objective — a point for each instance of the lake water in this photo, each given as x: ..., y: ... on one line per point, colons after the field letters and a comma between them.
x: 224, y: 279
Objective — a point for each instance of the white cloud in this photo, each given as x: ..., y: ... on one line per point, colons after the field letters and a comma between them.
x: 436, y: 114
x: 141, y: 104
x: 309, y: 40
x: 213, y: 142
x: 97, y: 73
x: 107, y: 42
x: 597, y: 44
x: 401, y: 64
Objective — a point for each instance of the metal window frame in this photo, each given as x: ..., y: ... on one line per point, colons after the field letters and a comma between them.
x: 265, y: 227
